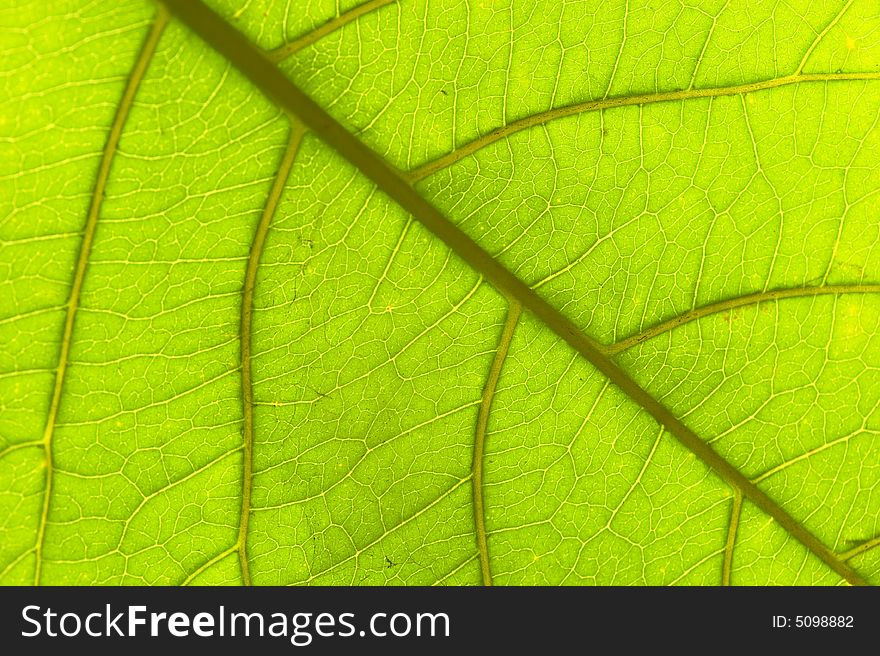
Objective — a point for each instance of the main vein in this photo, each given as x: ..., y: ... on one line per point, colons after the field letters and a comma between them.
x: 88, y: 237
x: 247, y: 318
x: 265, y: 76
x: 513, y: 312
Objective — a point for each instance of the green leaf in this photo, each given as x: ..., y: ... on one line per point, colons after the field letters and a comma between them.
x: 572, y: 294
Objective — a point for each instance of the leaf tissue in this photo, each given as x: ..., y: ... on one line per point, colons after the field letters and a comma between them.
x: 414, y: 293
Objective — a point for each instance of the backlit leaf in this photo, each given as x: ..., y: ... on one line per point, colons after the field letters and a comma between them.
x: 229, y: 355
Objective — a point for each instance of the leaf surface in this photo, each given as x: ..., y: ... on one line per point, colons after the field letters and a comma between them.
x: 230, y: 356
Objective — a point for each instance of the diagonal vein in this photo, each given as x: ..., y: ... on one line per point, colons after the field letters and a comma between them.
x: 513, y: 312
x: 859, y: 549
x: 247, y: 319
x: 821, y: 35
x: 88, y: 236
x: 332, y: 25
x: 731, y: 304
x: 513, y: 127
x: 208, y: 564
x: 265, y: 76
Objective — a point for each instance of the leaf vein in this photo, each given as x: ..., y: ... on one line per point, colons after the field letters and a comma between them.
x: 731, y: 304
x: 732, y: 527
x: 137, y: 73
x: 431, y: 167
x: 513, y: 313
x: 282, y: 52
x: 247, y: 317
x: 265, y: 76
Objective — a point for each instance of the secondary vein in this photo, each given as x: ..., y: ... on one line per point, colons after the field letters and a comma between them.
x: 88, y: 237
x: 858, y: 550
x: 268, y: 78
x: 247, y: 319
x: 731, y: 304
x: 332, y: 25
x: 733, y: 525
x: 208, y: 564
x: 513, y: 312
x: 504, y: 131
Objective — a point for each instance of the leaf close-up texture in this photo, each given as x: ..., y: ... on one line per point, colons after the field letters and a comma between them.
x: 436, y: 292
